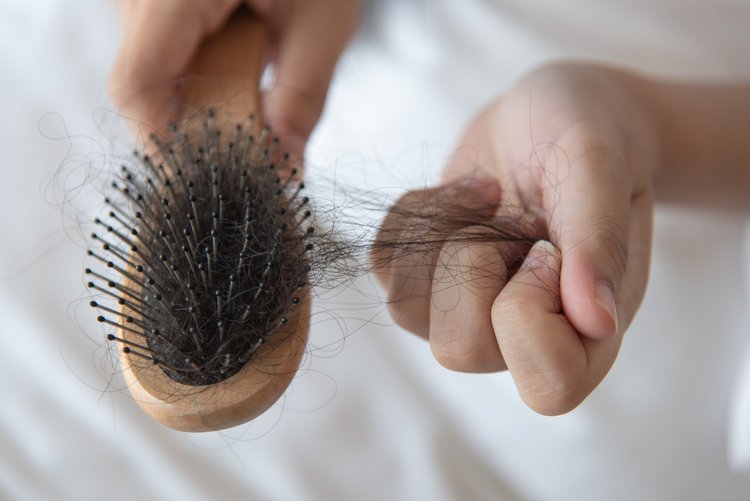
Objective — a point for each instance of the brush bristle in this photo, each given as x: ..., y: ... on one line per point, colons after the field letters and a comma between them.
x: 206, y: 251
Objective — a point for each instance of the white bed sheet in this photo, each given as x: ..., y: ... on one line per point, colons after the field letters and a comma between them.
x: 371, y: 416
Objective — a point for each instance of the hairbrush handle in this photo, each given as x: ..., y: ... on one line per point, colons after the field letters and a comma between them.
x: 225, y: 72
x: 224, y: 75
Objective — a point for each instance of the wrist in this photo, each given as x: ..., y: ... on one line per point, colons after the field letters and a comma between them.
x: 700, y: 135
x: 643, y: 125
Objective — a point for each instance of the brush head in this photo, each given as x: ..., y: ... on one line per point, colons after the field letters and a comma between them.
x: 207, y: 248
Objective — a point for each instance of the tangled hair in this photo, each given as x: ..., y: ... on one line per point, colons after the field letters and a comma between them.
x: 209, y: 242
x: 210, y: 248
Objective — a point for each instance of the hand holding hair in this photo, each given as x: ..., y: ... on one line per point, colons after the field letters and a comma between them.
x: 582, y: 152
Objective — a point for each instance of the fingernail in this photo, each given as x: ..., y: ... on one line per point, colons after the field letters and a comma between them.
x: 605, y: 296
x: 486, y: 189
x: 543, y: 254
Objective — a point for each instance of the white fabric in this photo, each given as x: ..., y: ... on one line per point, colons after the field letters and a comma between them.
x: 372, y: 415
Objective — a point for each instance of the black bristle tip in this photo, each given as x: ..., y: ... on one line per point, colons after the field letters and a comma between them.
x: 205, y: 237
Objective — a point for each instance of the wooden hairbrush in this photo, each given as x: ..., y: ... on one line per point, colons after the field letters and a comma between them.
x: 209, y: 241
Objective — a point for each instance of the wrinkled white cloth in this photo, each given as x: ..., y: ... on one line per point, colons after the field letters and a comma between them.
x: 371, y: 415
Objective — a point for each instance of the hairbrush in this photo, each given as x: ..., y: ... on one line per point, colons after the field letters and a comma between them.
x: 206, y: 251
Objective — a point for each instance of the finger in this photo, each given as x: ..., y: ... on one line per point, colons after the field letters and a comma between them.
x: 633, y: 286
x: 409, y: 240
x: 475, y: 155
x: 160, y: 40
x: 311, y: 37
x: 471, y: 270
x: 125, y: 9
x: 591, y: 222
x: 553, y: 367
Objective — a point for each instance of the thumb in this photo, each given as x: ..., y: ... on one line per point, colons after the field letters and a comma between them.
x: 593, y: 231
x: 544, y: 354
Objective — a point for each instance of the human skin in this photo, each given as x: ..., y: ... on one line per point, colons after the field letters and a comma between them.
x: 585, y: 151
x: 161, y: 37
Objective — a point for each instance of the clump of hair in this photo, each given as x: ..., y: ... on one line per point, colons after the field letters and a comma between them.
x: 207, y: 246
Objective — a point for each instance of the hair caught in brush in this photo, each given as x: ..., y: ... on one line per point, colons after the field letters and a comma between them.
x: 203, y: 253
x: 208, y: 251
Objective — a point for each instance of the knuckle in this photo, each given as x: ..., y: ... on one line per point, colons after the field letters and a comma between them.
x: 408, y: 296
x: 292, y: 112
x: 460, y: 353
x: 512, y: 311
x: 552, y: 397
x: 455, y: 361
x: 474, y: 258
x: 407, y: 317
x: 612, y: 242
